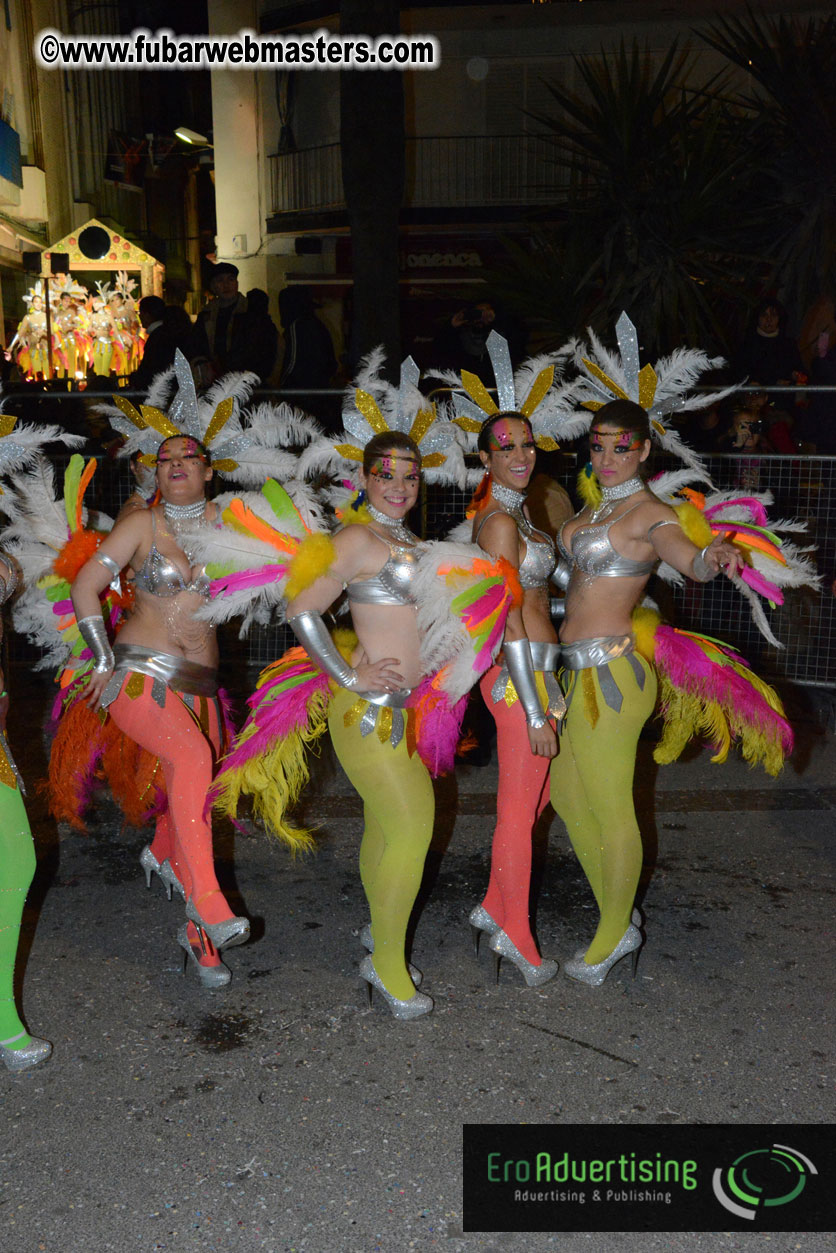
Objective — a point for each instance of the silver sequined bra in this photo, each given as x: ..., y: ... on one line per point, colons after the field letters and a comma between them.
x: 392, y: 585
x: 538, y: 564
x: 159, y: 576
x: 593, y: 553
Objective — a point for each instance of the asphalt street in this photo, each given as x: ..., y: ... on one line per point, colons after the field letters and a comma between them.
x: 282, y: 1114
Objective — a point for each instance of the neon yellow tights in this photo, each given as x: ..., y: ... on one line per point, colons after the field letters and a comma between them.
x: 592, y: 791
x: 399, y: 809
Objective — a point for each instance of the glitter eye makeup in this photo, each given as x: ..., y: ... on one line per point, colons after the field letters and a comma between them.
x: 501, y: 437
x: 625, y: 441
x: 386, y: 465
x: 191, y: 452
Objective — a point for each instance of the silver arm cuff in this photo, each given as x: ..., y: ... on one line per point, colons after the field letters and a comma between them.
x: 557, y: 607
x: 562, y: 574
x: 517, y: 656
x: 702, y: 571
x: 315, y: 638
x: 95, y: 637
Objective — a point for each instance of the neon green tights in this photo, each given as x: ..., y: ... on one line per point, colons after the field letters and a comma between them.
x: 592, y: 791
x: 399, y: 810
x: 17, y: 866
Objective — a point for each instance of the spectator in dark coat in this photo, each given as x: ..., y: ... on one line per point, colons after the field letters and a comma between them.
x: 262, y: 335
x: 309, y: 361
x: 220, y: 331
x: 158, y: 353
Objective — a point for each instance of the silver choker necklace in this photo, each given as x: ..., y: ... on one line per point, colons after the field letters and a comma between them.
x: 610, y: 496
x: 396, y: 527
x: 512, y: 502
x: 184, y: 513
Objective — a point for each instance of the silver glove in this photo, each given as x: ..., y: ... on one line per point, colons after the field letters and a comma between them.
x: 517, y: 656
x: 315, y: 638
x: 95, y: 637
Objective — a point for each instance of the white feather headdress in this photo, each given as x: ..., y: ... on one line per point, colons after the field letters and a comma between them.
x: 374, y: 406
x: 246, y: 452
x: 661, y: 390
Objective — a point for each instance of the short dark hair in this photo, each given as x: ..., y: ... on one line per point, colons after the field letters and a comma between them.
x: 152, y: 307
x: 385, y: 442
x: 483, y: 442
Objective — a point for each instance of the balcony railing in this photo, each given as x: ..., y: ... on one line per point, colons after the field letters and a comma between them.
x: 469, y: 171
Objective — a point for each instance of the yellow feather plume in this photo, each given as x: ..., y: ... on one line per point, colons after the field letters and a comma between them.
x: 693, y: 524
x: 314, y: 557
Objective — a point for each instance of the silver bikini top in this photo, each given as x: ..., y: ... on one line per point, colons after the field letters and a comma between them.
x: 159, y: 576
x: 392, y: 585
x: 537, y: 566
x: 593, y: 553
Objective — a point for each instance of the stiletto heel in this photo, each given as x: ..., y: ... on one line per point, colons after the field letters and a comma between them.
x: 481, y: 922
x: 224, y: 934
x: 594, y: 975
x: 413, y: 1007
x: 149, y: 864
x: 35, y: 1052
x: 501, y: 945
x: 170, y: 879
x: 367, y: 940
x: 210, y: 976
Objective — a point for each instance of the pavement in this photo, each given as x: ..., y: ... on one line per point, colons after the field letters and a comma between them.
x: 282, y: 1114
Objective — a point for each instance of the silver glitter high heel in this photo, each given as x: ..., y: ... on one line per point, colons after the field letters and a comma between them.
x: 414, y: 1007
x: 501, y: 945
x: 35, y: 1052
x: 170, y: 880
x: 594, y: 975
x: 209, y: 976
x: 481, y: 921
x: 224, y: 934
x: 636, y: 920
x: 367, y: 940
x: 149, y: 864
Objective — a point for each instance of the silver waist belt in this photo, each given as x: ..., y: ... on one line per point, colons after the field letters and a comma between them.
x: 587, y: 654
x: 395, y: 700
x: 166, y: 669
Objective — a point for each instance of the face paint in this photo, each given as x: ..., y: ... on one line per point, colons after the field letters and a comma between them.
x: 501, y: 435
x: 627, y: 441
x: 191, y: 451
x: 386, y: 464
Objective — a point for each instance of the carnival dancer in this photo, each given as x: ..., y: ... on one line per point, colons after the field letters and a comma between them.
x: 521, y: 690
x: 393, y: 694
x: 32, y: 355
x: 612, y: 651
x: 18, y: 1049
x: 158, y: 682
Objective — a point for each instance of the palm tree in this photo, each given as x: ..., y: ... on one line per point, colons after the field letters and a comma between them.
x: 654, y: 193
x: 792, y: 67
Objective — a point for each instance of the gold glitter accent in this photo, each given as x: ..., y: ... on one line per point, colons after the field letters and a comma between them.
x: 594, y: 405
x: 135, y: 685
x: 510, y: 695
x: 353, y: 715
x: 148, y: 459
x: 130, y: 412
x: 433, y: 459
x: 540, y: 386
x: 368, y: 407
x: 350, y: 451
x: 647, y: 385
x: 657, y: 426
x: 157, y: 420
x: 468, y: 424
x: 7, y: 423
x: 590, y: 701
x: 219, y: 420
x: 7, y: 775
x: 424, y: 419
x: 384, y: 723
x: 225, y: 464
x: 605, y: 379
x: 477, y: 391
x: 546, y: 443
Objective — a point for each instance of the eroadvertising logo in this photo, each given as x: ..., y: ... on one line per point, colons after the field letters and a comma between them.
x: 773, y: 1176
x: 642, y: 1177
